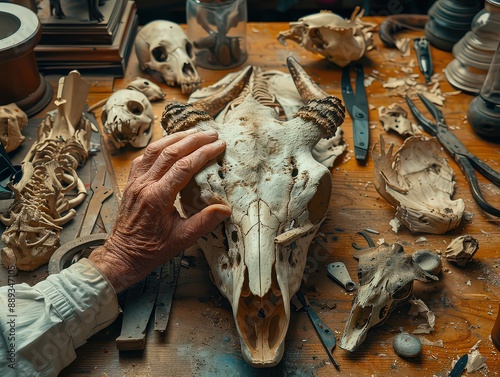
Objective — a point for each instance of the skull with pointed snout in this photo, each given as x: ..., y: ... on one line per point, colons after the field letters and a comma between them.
x: 386, y: 276
x: 162, y: 46
x: 279, y: 195
x: 128, y: 117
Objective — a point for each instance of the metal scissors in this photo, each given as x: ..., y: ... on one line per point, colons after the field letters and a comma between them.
x: 357, y: 105
x: 467, y: 161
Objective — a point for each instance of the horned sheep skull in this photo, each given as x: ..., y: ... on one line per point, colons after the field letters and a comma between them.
x: 279, y: 195
x: 128, y: 117
x: 162, y: 46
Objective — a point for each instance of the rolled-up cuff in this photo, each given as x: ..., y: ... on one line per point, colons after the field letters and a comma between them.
x: 83, y: 297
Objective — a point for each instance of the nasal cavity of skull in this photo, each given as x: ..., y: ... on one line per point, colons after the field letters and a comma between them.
x: 160, y: 54
x: 135, y: 107
x: 187, y: 69
x: 257, y: 314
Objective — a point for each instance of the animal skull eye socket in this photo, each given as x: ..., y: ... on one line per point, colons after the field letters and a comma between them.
x: 403, y: 292
x: 189, y: 49
x: 318, y: 206
x: 135, y: 108
x: 160, y: 54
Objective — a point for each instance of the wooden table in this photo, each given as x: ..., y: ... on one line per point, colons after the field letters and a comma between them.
x: 201, y: 338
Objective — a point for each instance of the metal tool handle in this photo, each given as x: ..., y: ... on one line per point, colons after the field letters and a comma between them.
x: 339, y: 273
x: 326, y: 335
x: 469, y: 172
x: 357, y: 105
x: 424, y: 57
x: 485, y: 170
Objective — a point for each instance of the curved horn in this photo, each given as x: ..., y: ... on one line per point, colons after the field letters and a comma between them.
x: 216, y: 102
x: 328, y: 113
x: 306, y: 86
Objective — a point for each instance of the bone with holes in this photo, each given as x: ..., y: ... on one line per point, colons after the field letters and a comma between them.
x: 40, y: 207
x: 386, y: 276
x: 12, y: 122
x: 340, y: 41
x: 279, y: 195
x: 162, y: 46
x: 128, y: 118
x: 419, y: 183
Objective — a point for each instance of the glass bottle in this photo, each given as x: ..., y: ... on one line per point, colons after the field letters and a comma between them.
x: 217, y: 29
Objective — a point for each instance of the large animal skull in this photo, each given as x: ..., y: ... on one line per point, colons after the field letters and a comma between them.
x: 12, y: 122
x: 279, y: 195
x: 386, y: 276
x: 340, y: 41
x: 128, y: 117
x: 163, y: 46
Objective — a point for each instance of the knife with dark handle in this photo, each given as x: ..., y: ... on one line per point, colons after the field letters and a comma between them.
x: 459, y: 366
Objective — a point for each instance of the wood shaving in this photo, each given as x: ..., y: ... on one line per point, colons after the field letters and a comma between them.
x: 427, y: 342
x: 418, y: 307
x: 476, y: 360
x: 403, y: 45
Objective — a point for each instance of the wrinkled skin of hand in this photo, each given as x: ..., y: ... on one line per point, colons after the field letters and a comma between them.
x: 148, y: 230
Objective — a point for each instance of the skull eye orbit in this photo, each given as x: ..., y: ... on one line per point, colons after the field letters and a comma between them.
x: 403, y: 292
x: 189, y: 49
x: 318, y: 206
x: 135, y: 107
x: 160, y: 54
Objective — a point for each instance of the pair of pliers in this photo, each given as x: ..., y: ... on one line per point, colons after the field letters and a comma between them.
x: 467, y: 161
x: 357, y: 105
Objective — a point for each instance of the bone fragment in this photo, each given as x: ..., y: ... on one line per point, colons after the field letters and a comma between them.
x: 419, y: 183
x: 461, y: 249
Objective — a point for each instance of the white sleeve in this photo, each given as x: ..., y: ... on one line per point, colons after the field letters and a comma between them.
x: 44, y: 324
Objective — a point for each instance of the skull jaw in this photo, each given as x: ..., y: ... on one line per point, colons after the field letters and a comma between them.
x: 267, y: 359
x: 185, y: 76
x: 262, y: 337
x: 358, y: 324
x: 364, y: 317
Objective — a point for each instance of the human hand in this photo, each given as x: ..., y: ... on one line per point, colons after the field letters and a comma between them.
x: 148, y: 230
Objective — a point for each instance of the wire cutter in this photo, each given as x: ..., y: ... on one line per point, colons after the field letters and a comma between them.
x: 357, y: 105
x: 467, y: 161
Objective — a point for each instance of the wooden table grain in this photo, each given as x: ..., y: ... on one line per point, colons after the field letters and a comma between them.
x: 201, y: 338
